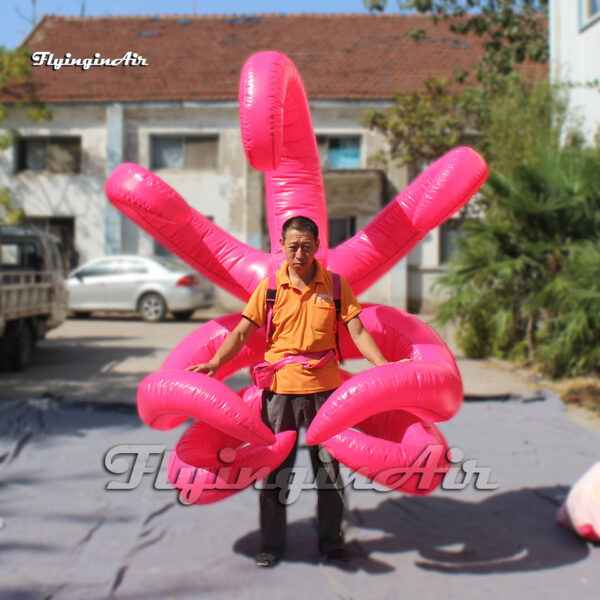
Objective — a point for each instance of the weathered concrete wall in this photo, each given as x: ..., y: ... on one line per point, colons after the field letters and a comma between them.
x: 219, y: 194
x: 56, y: 194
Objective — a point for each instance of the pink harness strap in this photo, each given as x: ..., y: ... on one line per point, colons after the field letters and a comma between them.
x: 263, y: 373
x: 323, y: 358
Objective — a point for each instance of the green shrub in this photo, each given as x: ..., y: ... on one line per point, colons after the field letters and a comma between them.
x: 525, y: 281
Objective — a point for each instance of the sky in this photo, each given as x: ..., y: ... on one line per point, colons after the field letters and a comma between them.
x: 17, y: 15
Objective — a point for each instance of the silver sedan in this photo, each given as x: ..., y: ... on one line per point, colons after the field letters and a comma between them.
x: 150, y: 286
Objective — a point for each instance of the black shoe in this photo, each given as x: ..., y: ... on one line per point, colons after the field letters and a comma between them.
x: 337, y: 555
x: 266, y: 559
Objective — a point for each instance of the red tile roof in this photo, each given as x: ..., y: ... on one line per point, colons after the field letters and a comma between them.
x: 350, y: 57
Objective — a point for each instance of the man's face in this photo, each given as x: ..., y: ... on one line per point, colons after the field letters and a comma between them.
x: 299, y: 248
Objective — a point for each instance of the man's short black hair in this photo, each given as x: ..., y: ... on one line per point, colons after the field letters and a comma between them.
x: 300, y: 224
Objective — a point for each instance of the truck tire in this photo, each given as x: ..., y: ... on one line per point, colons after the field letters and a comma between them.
x: 21, y: 342
x: 152, y: 307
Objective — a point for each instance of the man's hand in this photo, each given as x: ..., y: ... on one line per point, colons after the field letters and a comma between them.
x: 207, y: 368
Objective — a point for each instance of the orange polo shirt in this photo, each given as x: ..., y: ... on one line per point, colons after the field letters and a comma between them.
x: 302, y: 322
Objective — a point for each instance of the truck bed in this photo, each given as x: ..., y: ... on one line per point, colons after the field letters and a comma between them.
x: 25, y: 294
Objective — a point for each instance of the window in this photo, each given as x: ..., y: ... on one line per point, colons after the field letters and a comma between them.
x: 171, y: 263
x: 590, y: 10
x: 137, y: 267
x: 450, y: 232
x: 54, y: 154
x: 340, y: 230
x: 184, y: 152
x: 22, y: 256
x: 341, y: 152
x: 101, y: 268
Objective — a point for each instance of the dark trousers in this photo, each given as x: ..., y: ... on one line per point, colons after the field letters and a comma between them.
x: 282, y: 412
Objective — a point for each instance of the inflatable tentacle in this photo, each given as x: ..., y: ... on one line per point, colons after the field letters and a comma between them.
x: 278, y: 138
x: 427, y: 391
x: 201, y: 444
x: 441, y: 190
x: 393, y: 444
x: 206, y: 458
x: 409, y: 337
x: 428, y: 385
x: 167, y: 398
x: 250, y: 464
x: 164, y: 214
x: 224, y: 420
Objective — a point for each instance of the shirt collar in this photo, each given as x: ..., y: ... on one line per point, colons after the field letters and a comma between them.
x: 284, y: 278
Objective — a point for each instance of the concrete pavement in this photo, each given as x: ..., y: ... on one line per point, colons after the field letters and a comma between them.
x: 64, y: 535
x: 104, y: 359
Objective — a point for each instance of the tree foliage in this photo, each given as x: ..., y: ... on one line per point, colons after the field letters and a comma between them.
x: 423, y: 125
x: 512, y: 31
x: 9, y: 214
x: 494, y: 114
x: 15, y: 73
x: 375, y: 6
x: 506, y: 128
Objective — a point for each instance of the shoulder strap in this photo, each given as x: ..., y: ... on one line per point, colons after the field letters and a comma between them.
x: 337, y: 298
x: 337, y: 291
x: 272, y: 289
x: 271, y: 296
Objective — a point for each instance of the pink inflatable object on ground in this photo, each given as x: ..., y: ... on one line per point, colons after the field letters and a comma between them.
x: 378, y: 422
x: 581, y: 510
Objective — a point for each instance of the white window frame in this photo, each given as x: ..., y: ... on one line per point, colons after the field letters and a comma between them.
x: 585, y: 18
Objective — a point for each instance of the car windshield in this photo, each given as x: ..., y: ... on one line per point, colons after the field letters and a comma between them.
x: 172, y: 264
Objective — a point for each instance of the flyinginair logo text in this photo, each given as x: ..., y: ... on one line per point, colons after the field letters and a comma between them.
x: 134, y: 460
x: 129, y: 59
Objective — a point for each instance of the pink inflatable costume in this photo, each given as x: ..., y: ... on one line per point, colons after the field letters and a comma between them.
x: 378, y: 422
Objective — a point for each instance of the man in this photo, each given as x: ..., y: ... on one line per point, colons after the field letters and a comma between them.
x: 303, y: 322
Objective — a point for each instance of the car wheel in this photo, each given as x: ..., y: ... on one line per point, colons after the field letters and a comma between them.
x: 183, y: 315
x: 21, y: 337
x: 152, y: 307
